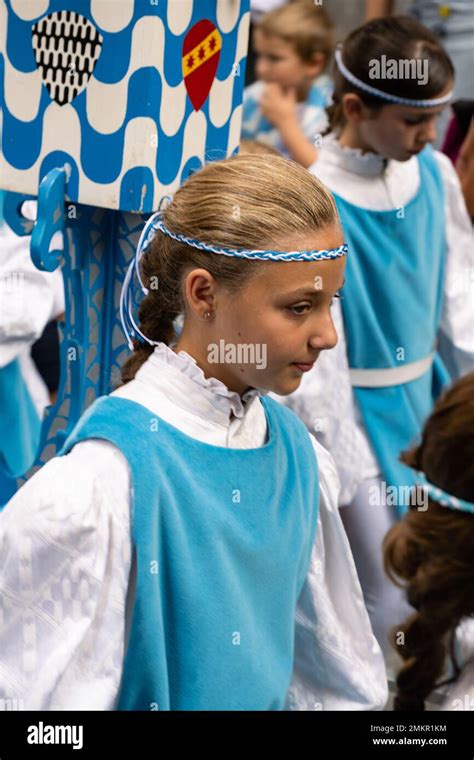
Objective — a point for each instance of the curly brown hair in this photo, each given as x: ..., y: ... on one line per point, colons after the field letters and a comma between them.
x: 431, y: 553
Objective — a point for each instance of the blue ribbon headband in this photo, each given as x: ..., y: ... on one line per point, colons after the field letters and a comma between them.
x: 243, y: 253
x: 442, y: 497
x: 155, y: 224
x: 429, y: 103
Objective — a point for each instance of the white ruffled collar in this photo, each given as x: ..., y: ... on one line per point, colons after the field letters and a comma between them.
x: 352, y: 159
x: 192, y: 378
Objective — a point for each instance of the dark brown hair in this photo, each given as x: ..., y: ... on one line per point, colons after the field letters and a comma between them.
x: 248, y: 201
x: 431, y: 552
x: 396, y: 37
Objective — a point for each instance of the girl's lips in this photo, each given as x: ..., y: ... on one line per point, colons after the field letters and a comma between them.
x: 304, y: 367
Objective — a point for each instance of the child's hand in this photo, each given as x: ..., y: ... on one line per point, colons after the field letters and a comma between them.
x: 277, y: 105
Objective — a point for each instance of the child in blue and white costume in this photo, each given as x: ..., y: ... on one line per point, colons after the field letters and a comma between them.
x: 431, y: 553
x: 285, y: 108
x: 407, y: 316
x: 29, y: 299
x: 187, y: 548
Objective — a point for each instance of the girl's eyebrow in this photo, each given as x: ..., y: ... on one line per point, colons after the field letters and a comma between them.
x: 422, y: 116
x: 297, y: 293
x: 310, y: 293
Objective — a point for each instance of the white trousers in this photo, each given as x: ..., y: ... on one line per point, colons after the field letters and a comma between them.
x: 366, y: 526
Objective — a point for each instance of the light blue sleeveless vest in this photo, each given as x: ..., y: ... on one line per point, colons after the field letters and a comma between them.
x: 223, y: 540
x: 20, y: 428
x: 392, y: 305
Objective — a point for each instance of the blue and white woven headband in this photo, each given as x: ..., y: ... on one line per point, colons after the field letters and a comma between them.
x: 429, y: 103
x: 442, y: 497
x: 155, y: 224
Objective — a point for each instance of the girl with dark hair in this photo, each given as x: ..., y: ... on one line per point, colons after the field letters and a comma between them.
x: 407, y: 314
x: 453, y: 24
x: 431, y: 553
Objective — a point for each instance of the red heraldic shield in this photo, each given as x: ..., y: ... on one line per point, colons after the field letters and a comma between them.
x: 201, y: 52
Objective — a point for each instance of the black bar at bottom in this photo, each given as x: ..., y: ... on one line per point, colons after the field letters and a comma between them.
x: 141, y: 734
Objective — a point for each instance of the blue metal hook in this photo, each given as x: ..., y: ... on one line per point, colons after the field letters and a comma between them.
x: 50, y: 219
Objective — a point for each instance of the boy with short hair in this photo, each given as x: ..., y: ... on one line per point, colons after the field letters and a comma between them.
x: 285, y: 108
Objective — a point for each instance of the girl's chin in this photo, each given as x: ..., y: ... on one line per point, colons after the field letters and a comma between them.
x: 288, y: 386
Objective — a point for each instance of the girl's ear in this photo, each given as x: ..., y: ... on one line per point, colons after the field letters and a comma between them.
x: 353, y: 108
x: 200, y: 291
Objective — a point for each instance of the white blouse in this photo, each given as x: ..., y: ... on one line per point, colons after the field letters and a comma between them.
x: 460, y: 694
x: 324, y: 399
x: 29, y: 299
x: 67, y: 569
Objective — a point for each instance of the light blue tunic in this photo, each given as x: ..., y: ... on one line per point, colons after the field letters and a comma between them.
x: 20, y: 428
x: 223, y: 541
x: 392, y: 307
x: 311, y: 114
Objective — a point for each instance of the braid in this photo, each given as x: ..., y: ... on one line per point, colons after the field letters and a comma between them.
x: 158, y: 309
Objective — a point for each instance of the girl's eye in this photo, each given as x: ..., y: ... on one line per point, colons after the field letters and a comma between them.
x: 300, y: 306
x: 420, y: 119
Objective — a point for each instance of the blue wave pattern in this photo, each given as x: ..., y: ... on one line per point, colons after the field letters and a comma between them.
x: 99, y: 246
x: 101, y: 156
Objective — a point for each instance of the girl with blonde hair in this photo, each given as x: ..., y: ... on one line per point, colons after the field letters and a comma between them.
x: 184, y: 551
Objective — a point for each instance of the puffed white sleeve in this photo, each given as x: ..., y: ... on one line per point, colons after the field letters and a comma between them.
x: 65, y: 558
x: 338, y: 663
x: 461, y: 693
x: 29, y: 297
x: 456, y: 337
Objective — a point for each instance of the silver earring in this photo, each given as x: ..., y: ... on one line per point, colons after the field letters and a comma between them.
x: 206, y: 315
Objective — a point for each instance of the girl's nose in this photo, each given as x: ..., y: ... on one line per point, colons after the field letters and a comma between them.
x: 326, y: 337
x: 429, y: 131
